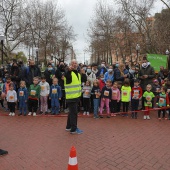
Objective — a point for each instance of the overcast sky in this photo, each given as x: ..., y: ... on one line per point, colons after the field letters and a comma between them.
x: 78, y: 14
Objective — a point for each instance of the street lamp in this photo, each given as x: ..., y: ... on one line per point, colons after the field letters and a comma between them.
x: 2, y: 37
x: 137, y: 51
x: 84, y: 57
x: 167, y: 53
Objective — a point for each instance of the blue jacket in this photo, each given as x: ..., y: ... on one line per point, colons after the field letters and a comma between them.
x: 55, y: 92
x: 22, y: 94
x: 108, y: 77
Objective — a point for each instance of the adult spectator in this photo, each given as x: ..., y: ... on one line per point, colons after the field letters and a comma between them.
x: 72, y: 83
x: 49, y: 73
x: 60, y: 70
x: 161, y: 73
x: 120, y: 73
x: 102, y: 69
x: 15, y: 74
x: 94, y: 68
x: 21, y: 69
x: 146, y: 74
x: 90, y: 75
x: 109, y: 75
x: 30, y: 72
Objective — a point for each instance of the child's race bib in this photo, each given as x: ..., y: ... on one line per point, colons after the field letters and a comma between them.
x: 21, y: 93
x: 114, y: 93
x: 11, y: 97
x: 33, y: 92
x: 157, y: 89
x: 106, y: 93
x: 125, y: 93
x: 54, y: 91
x: 87, y: 92
x: 161, y: 100
x: 42, y: 88
x: 168, y: 90
x: 148, y: 98
x: 136, y: 93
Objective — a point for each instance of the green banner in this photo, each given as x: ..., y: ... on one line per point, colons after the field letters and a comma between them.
x: 157, y: 60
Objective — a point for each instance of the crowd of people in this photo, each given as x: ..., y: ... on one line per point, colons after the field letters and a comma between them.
x: 116, y: 88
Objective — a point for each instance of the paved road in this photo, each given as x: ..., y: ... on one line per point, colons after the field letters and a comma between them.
x: 41, y: 143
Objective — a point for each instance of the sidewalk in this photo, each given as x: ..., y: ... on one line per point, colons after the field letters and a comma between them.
x: 41, y: 143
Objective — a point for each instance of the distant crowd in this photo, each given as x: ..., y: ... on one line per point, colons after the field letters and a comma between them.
x: 116, y: 88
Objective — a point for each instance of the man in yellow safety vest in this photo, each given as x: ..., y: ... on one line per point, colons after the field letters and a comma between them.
x: 72, y: 83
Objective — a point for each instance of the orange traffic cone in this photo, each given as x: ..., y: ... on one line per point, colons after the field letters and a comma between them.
x: 72, y: 163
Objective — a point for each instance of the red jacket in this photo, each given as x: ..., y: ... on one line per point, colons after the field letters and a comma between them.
x: 136, y: 92
x: 101, y: 84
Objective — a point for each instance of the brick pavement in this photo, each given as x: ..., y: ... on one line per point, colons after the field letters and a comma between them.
x: 41, y: 143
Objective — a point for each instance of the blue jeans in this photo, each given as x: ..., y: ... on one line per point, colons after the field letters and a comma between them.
x: 55, y: 105
x: 22, y: 106
x: 96, y: 106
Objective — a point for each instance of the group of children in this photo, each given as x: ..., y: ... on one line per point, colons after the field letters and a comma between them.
x: 33, y: 97
x: 109, y: 96
x: 112, y: 96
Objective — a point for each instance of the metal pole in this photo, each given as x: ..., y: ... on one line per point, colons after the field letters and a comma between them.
x: 2, y: 43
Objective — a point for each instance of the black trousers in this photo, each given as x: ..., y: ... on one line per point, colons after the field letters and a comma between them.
x: 159, y: 113
x: 11, y: 106
x: 125, y: 106
x: 32, y: 105
x: 134, y: 106
x: 113, y: 106
x: 72, y: 116
x: 2, y: 102
x: 86, y: 102
x: 118, y: 106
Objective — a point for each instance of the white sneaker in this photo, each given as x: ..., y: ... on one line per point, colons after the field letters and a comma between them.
x: 10, y: 114
x: 84, y: 113
x: 144, y: 117
x: 13, y: 114
x: 30, y: 113
x: 34, y: 114
x: 148, y: 117
x: 87, y: 113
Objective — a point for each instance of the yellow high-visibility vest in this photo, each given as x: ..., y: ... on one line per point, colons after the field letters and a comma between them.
x: 73, y: 90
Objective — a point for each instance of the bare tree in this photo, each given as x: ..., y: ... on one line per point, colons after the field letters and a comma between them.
x: 12, y: 28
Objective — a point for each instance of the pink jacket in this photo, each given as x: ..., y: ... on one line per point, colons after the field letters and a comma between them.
x: 115, y: 94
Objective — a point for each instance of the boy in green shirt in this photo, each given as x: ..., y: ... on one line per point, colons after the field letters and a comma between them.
x: 148, y: 98
x: 33, y: 97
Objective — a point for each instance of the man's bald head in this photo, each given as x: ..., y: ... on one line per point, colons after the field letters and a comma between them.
x: 74, y: 64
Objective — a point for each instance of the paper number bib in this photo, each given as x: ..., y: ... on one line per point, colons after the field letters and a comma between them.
x: 125, y: 93
x: 42, y: 88
x: 161, y: 100
x: 114, y: 93
x: 87, y: 92
x: 106, y: 93
x: 136, y: 93
x: 21, y: 93
x: 54, y: 91
x: 33, y: 92
x: 11, y: 97
x: 148, y: 98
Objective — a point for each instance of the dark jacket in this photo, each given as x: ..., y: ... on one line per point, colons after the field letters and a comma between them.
x: 30, y: 73
x: 117, y: 75
x: 146, y: 71
x: 48, y: 75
